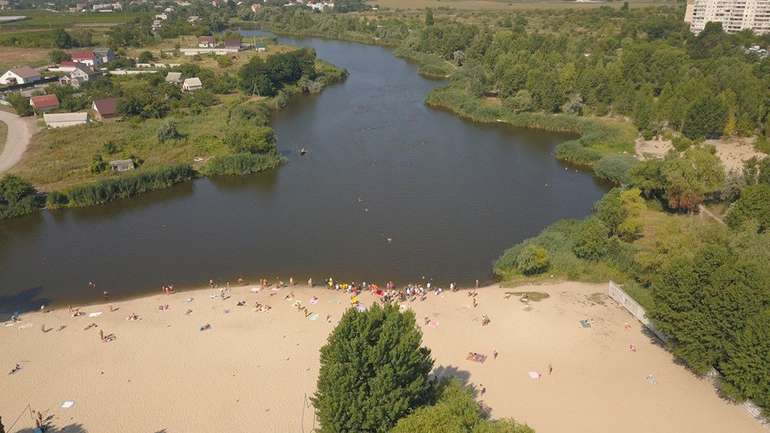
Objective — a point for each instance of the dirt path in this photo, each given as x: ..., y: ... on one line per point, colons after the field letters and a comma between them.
x: 20, y: 131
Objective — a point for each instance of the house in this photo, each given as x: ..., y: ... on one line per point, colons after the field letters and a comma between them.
x: 233, y: 44
x: 106, y: 108
x: 206, y: 42
x: 105, y: 55
x: 79, y: 75
x: 66, y: 66
x: 122, y: 165
x: 261, y: 48
x: 63, y: 120
x: 162, y: 17
x: 192, y: 84
x: 193, y: 19
x: 256, y: 7
x: 21, y: 75
x: 174, y: 77
x: 44, y: 102
x: 87, y: 58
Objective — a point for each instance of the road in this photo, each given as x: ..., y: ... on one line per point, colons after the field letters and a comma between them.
x: 20, y: 131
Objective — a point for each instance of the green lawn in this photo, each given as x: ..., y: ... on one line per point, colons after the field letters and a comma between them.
x: 3, y: 135
x: 37, y: 19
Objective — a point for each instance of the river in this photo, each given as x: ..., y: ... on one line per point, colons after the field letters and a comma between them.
x: 389, y: 189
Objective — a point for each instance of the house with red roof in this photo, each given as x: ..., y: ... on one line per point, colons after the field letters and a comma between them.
x: 44, y: 103
x: 88, y: 58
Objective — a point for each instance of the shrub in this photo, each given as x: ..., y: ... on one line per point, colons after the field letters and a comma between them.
x: 532, y: 260
x: 373, y: 371
x: 123, y: 187
x: 241, y: 164
x: 747, y: 367
x: 251, y: 140
x: 681, y: 143
x: 20, y: 104
x: 592, y: 241
x: 17, y: 197
x: 615, y: 168
x: 455, y: 412
x: 168, y: 131
x: 98, y: 164
x: 575, y: 153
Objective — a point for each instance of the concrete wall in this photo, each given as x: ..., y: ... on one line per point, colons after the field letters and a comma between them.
x: 633, y: 307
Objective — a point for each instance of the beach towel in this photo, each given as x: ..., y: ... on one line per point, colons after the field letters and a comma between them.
x: 433, y: 323
x: 96, y: 314
x: 534, y: 375
x: 585, y: 323
x: 313, y: 301
x: 67, y: 404
x: 254, y: 290
x: 313, y: 316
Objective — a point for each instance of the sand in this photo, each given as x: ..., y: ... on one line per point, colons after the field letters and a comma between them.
x: 733, y: 152
x: 253, y: 371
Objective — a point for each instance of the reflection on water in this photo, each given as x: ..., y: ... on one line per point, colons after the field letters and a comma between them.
x: 450, y: 194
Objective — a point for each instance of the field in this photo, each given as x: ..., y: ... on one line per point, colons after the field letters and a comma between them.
x: 11, y: 57
x: 49, y: 20
x: 58, y: 158
x: 507, y: 4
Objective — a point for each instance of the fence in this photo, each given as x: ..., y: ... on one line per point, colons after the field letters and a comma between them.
x: 633, y: 307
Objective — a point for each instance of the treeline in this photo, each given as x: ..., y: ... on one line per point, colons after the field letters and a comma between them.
x: 640, y: 63
x: 58, y: 38
x: 108, y: 190
x: 267, y: 77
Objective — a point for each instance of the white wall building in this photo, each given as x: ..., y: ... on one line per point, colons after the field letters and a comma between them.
x: 21, y: 75
x: 735, y: 15
x: 63, y: 120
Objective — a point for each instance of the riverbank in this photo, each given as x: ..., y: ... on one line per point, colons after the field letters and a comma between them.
x: 256, y: 369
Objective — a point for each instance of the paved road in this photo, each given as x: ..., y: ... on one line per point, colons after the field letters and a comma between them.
x: 20, y: 131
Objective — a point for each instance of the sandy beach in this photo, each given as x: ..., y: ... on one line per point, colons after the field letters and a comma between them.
x: 253, y: 371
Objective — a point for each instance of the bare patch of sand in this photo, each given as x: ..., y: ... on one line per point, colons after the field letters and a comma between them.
x: 732, y: 151
x: 254, y: 371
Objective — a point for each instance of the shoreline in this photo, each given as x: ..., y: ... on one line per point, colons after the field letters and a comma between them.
x: 255, y: 370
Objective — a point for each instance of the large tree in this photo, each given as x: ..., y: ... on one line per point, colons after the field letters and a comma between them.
x: 373, y: 371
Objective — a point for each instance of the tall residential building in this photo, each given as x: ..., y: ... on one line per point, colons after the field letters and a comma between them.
x: 735, y: 15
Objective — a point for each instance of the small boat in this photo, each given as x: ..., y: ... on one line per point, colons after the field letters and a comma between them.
x: 302, y: 151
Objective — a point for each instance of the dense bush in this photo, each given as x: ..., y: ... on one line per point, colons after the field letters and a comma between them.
x: 532, y: 260
x: 591, y: 242
x: 373, y: 371
x: 17, y: 197
x: 122, y: 187
x: 241, y: 164
x: 251, y: 140
x: 20, y: 104
x: 455, y: 412
x: 615, y: 168
x: 753, y: 205
x: 267, y: 77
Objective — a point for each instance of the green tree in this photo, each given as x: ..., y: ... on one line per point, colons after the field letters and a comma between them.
x: 455, y: 412
x: 689, y: 179
x: 20, y: 104
x: 373, y: 371
x: 747, y: 366
x: 17, y: 197
x: 706, y: 118
x: 168, y: 131
x: 753, y: 205
x: 98, y: 165
x: 145, y: 57
x: 62, y: 39
x: 592, y: 241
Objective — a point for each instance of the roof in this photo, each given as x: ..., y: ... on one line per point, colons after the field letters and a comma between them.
x: 102, y: 50
x: 67, y: 64
x: 87, y: 69
x: 106, y: 106
x: 122, y: 163
x: 65, y: 117
x: 194, y: 81
x: 173, y: 77
x: 26, y: 72
x: 205, y: 38
x: 82, y: 55
x: 44, y: 101
x: 233, y: 43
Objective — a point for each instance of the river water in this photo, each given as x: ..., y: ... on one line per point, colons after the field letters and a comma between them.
x: 389, y: 189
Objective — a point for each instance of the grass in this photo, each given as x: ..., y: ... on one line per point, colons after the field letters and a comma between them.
x: 429, y: 65
x: 38, y: 19
x: 11, y: 57
x: 60, y: 158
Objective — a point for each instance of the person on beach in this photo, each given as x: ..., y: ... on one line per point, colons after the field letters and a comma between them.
x: 2, y: 427
x: 550, y: 369
x: 494, y: 353
x: 310, y: 282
